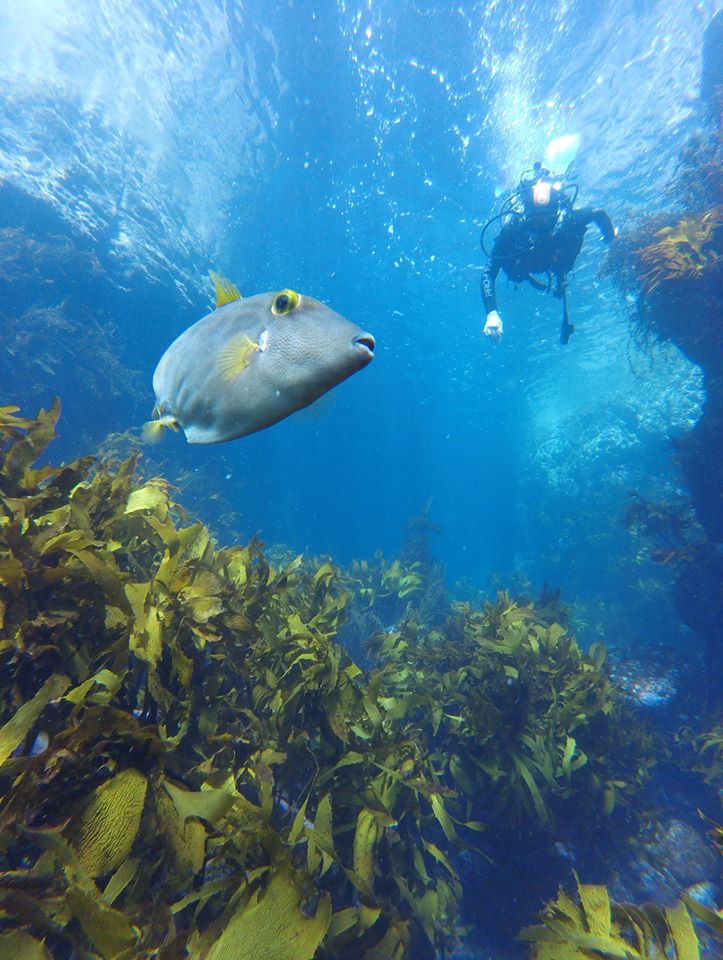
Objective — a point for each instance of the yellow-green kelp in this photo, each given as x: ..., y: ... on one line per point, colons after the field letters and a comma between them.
x: 704, y: 750
x: 523, y: 724
x: 188, y: 760
x: 683, y: 251
x: 592, y: 927
x: 191, y: 765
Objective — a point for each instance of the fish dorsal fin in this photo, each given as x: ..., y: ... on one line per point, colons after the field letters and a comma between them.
x: 226, y: 291
x: 236, y: 355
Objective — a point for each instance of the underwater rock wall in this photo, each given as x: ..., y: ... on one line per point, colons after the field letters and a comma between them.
x: 61, y: 297
x: 671, y: 267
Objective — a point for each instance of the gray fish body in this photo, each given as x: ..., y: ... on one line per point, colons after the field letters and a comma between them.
x: 291, y: 360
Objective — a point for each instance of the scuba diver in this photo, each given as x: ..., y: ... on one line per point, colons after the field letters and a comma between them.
x: 541, y: 234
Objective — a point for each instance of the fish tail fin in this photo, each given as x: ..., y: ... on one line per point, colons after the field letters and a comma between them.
x: 153, y: 429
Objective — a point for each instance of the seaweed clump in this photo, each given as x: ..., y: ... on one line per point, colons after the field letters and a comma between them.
x: 670, y: 265
x: 189, y: 762
x: 591, y: 927
x: 384, y: 593
x: 704, y: 754
x: 526, y: 727
x: 689, y: 250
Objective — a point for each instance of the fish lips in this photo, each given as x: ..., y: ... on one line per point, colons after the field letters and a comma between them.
x: 365, y: 344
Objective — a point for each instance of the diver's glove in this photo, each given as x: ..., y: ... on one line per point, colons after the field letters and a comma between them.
x: 605, y: 225
x: 610, y: 233
x: 493, y: 326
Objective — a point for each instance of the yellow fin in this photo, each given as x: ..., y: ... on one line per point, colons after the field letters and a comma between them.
x: 153, y: 429
x: 235, y: 356
x: 226, y: 291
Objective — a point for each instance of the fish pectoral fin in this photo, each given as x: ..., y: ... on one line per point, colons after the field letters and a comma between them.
x: 153, y: 429
x: 236, y: 355
x: 226, y: 291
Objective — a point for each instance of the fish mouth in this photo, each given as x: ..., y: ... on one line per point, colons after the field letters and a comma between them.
x: 367, y: 343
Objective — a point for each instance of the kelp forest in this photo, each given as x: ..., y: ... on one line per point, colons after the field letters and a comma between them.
x: 193, y: 765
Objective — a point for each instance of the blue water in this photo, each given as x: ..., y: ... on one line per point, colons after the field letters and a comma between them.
x: 353, y: 151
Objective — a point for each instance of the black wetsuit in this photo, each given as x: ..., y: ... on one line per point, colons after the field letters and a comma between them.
x: 531, y: 244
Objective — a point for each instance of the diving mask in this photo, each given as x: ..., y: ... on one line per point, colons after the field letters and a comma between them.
x: 541, y: 193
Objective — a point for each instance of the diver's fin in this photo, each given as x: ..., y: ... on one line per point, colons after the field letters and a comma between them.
x: 226, y: 291
x: 566, y: 331
x: 236, y: 355
x: 153, y: 429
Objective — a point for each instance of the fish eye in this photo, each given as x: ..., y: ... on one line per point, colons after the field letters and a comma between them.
x: 285, y: 302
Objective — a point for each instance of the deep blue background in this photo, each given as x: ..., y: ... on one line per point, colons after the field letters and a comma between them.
x: 353, y: 152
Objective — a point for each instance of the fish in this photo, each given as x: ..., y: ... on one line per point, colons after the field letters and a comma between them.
x: 252, y: 362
